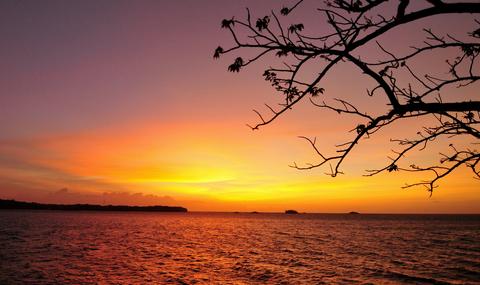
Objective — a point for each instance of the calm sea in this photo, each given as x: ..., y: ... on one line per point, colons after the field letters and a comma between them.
x: 42, y: 247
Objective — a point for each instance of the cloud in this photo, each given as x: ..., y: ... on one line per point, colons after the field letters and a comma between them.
x: 65, y: 196
x: 30, y: 193
x: 25, y: 177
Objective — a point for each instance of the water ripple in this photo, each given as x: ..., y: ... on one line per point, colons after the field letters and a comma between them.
x: 201, y: 248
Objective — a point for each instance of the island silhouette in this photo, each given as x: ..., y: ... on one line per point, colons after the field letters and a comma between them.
x: 13, y: 204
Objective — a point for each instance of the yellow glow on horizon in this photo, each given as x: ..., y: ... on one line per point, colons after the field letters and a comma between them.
x: 187, y: 175
x: 230, y: 174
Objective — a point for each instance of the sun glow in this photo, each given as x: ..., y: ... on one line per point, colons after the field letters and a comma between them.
x: 137, y: 110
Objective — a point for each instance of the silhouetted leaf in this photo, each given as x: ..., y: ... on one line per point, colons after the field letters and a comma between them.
x: 392, y: 167
x: 295, y: 27
x: 236, y: 65
x: 262, y: 23
x: 476, y: 33
x: 270, y: 76
x: 415, y: 100
x: 470, y: 50
x: 218, y: 51
x: 291, y: 93
x: 282, y: 52
x: 360, y: 128
x: 284, y: 11
x: 227, y: 23
x: 469, y: 116
x: 357, y: 4
x: 315, y: 91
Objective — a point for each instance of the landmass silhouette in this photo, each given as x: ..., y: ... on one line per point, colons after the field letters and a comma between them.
x: 13, y: 204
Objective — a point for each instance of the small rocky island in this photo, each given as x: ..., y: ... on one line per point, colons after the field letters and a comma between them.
x: 12, y: 204
x: 291, y: 212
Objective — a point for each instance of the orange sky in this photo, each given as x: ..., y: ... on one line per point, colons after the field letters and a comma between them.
x: 125, y: 105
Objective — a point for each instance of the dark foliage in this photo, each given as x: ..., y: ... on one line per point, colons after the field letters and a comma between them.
x: 12, y: 204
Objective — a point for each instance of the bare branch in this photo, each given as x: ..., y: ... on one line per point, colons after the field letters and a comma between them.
x: 355, y: 24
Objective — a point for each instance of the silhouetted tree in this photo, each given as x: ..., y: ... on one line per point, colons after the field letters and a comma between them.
x: 356, y: 24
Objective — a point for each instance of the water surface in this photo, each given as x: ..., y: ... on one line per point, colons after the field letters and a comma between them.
x: 55, y: 247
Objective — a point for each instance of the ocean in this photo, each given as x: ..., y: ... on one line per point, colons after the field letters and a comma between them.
x: 55, y: 247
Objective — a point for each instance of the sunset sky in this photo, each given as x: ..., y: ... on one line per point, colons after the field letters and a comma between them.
x: 121, y: 102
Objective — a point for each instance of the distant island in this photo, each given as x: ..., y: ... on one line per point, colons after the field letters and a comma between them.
x: 354, y: 213
x: 291, y: 212
x: 12, y: 204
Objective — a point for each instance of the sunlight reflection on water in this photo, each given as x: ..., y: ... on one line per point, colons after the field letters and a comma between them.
x: 42, y: 247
